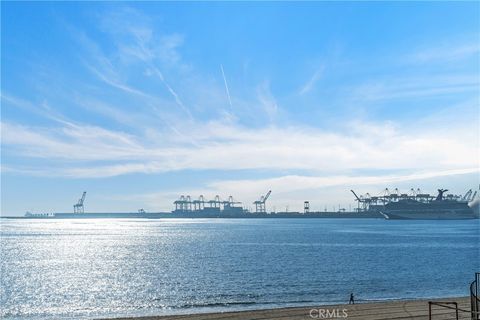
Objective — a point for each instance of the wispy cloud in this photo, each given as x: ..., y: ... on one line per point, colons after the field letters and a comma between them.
x: 295, y: 182
x: 179, y: 102
x: 408, y: 87
x: 115, y: 83
x: 267, y: 100
x: 150, y: 106
x: 42, y: 109
x: 168, y: 48
x: 308, y: 86
x: 136, y: 42
x: 221, y: 146
x: 448, y: 52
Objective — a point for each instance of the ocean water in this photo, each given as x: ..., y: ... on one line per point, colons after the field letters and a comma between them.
x: 54, y: 269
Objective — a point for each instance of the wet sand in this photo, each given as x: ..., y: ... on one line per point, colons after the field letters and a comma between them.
x: 401, y: 310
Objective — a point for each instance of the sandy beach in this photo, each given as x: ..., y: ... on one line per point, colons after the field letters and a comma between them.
x: 405, y: 309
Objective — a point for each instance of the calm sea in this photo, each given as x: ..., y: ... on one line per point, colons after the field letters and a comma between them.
x: 54, y: 269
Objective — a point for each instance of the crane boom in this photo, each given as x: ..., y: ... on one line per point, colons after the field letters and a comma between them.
x: 267, y: 195
x: 80, y: 202
x: 358, y: 199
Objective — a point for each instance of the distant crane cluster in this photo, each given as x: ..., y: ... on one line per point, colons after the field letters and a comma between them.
x: 185, y: 203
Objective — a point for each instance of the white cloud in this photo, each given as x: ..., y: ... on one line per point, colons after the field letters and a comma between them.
x: 297, y: 183
x: 220, y: 146
x: 70, y: 142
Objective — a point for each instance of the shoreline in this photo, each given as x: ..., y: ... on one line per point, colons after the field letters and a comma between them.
x: 379, y: 310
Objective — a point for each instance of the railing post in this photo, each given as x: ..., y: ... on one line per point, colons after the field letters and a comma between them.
x: 474, y: 300
x: 456, y: 310
x: 477, y: 281
x: 429, y: 310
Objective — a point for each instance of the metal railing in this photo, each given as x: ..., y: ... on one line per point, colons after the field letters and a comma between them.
x: 452, y: 305
x: 474, y: 299
x: 447, y: 305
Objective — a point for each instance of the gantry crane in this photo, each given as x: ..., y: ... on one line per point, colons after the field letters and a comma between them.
x: 260, y: 204
x: 362, y: 203
x: 78, y: 207
x: 230, y: 202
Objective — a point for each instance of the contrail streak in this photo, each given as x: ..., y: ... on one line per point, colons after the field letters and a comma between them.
x: 172, y: 92
x: 226, y: 87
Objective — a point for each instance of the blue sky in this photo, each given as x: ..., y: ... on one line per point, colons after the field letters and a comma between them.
x: 137, y: 103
